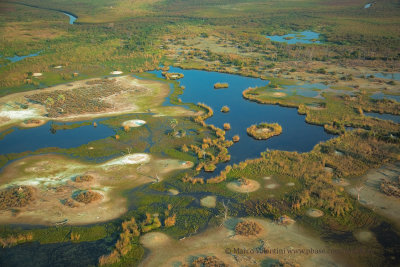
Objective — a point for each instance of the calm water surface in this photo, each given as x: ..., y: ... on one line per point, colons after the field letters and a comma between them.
x: 304, y: 37
x: 297, y: 135
x: 31, y: 139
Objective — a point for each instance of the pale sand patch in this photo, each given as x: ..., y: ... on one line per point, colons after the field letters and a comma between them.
x: 341, y: 182
x: 133, y: 123
x: 54, y: 178
x: 173, y: 192
x: 372, y: 197
x: 33, y: 124
x: 279, y: 94
x: 116, y: 72
x: 209, y: 201
x: 364, y: 236
x: 338, y: 153
x: 251, y: 187
x: 220, y: 242
x: 37, y: 74
x: 314, y: 213
x: 272, y: 186
x: 154, y: 240
x: 19, y: 114
x: 136, y: 158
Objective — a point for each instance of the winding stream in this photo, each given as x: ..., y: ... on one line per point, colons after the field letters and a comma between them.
x: 72, y: 17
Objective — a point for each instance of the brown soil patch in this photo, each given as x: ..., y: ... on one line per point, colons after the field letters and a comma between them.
x: 248, y: 228
x: 16, y: 197
x: 371, y: 195
x: 88, y: 197
x: 220, y: 242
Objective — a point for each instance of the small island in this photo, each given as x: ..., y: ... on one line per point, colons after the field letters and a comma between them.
x: 221, y: 85
x: 225, y: 109
x: 172, y: 75
x: 264, y: 130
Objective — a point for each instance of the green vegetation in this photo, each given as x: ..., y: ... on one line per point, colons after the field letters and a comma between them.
x: 264, y: 130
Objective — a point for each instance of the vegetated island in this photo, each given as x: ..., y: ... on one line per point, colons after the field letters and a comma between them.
x: 221, y: 85
x: 225, y: 109
x: 264, y: 130
x: 172, y: 75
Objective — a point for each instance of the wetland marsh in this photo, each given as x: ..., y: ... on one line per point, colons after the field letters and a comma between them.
x: 188, y: 133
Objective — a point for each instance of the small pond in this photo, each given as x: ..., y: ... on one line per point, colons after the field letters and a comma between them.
x: 305, y: 37
x: 31, y: 139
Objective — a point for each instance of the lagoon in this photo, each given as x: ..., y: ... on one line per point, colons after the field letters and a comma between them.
x: 297, y: 135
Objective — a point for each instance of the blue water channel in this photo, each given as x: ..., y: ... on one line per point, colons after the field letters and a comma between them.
x: 390, y: 117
